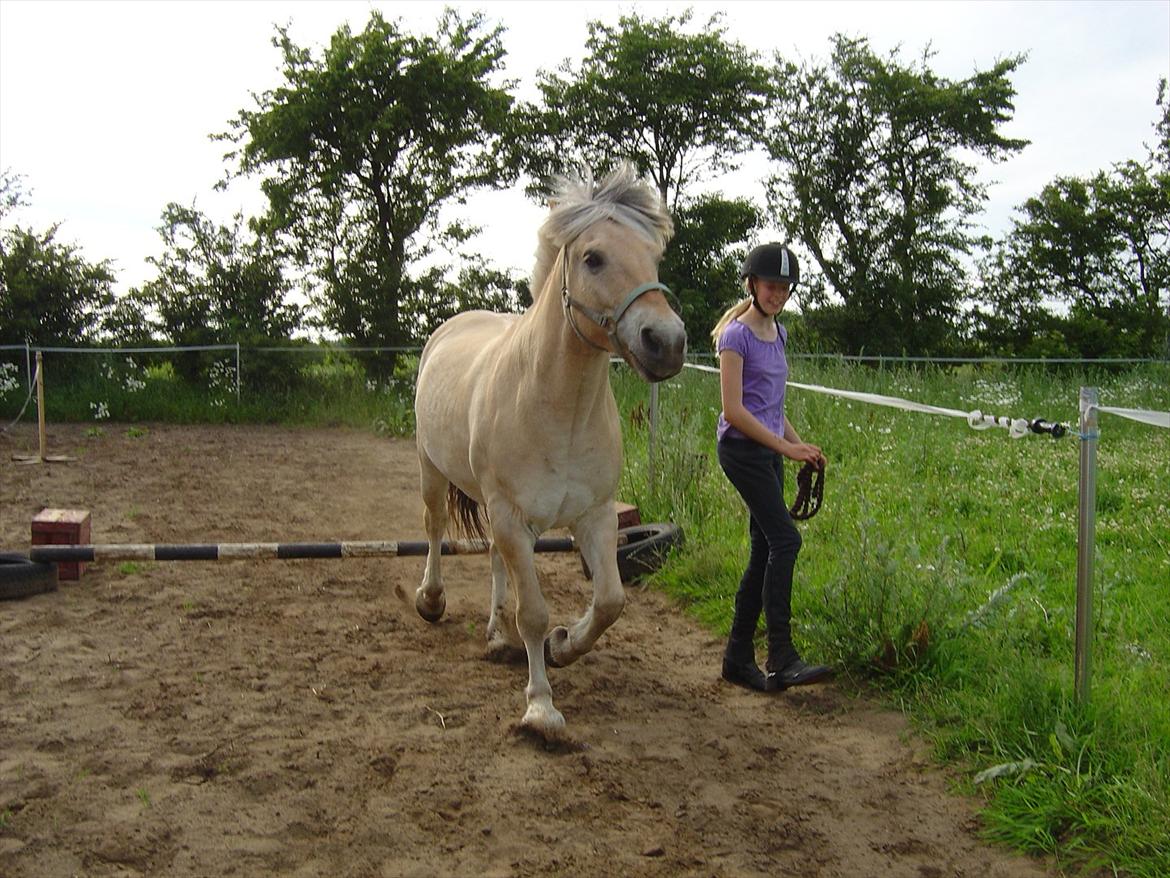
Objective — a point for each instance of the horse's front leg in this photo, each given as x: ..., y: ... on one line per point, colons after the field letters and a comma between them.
x: 596, y: 536
x: 429, y: 599
x: 504, y: 642
x: 516, y: 544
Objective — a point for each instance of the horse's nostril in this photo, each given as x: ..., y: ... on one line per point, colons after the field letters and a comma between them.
x: 664, y: 345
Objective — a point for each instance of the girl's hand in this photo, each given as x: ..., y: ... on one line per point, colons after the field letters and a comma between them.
x: 803, y: 452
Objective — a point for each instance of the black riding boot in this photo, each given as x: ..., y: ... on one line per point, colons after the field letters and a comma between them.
x: 739, y: 660
x: 785, y: 666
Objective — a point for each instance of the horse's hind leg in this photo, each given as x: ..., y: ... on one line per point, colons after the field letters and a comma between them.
x: 504, y: 642
x: 596, y: 536
x: 429, y: 600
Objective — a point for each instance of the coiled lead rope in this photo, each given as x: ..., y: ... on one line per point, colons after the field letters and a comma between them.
x: 810, y: 489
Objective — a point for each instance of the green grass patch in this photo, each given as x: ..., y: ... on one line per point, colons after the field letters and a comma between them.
x: 304, y: 388
x: 940, y: 574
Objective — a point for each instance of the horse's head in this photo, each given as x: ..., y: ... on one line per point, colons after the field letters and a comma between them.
x: 609, y: 240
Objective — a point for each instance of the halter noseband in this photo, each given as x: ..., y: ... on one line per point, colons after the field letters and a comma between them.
x: 607, y: 322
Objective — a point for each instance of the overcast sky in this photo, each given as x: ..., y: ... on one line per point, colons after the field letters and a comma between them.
x: 106, y: 107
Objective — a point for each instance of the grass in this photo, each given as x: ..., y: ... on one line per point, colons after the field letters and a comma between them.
x: 310, y: 389
x: 940, y: 573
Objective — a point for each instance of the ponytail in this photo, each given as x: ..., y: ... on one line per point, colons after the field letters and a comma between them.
x: 732, y: 313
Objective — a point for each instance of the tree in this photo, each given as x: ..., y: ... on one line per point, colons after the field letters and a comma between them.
x: 680, y: 105
x: 214, y: 287
x: 1098, y: 249
x: 702, y: 262
x: 359, y: 150
x: 433, y: 299
x: 871, y: 181
x: 49, y: 293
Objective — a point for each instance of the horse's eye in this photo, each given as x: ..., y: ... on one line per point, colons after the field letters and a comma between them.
x: 593, y: 260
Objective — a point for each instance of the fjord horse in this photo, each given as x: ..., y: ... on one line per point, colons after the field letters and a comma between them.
x: 515, y: 415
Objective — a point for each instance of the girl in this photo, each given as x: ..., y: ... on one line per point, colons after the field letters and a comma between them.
x: 753, y: 433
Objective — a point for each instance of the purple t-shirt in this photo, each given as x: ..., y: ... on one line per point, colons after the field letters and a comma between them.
x: 765, y: 375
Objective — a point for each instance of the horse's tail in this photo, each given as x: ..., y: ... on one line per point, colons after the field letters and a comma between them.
x: 465, y: 512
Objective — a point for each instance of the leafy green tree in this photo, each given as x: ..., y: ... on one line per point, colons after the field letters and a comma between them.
x: 216, y: 287
x: 49, y: 293
x: 1096, y: 249
x: 702, y: 263
x: 434, y: 299
x: 682, y: 106
x: 872, y: 181
x: 360, y: 148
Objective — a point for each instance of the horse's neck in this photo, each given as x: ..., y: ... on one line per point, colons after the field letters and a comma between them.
x: 552, y: 351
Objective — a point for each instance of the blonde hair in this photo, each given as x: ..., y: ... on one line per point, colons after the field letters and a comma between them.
x: 732, y: 313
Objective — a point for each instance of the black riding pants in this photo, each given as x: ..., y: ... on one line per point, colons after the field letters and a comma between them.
x: 757, y: 474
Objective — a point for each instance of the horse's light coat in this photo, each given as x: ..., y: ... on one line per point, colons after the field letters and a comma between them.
x: 517, y: 412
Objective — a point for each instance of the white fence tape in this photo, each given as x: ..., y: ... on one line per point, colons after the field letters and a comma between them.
x: 1156, y: 419
x: 1017, y: 427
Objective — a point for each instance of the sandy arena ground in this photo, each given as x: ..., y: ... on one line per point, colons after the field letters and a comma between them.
x: 295, y: 718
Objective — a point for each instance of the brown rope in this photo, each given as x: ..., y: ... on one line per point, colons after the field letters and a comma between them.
x: 810, y: 488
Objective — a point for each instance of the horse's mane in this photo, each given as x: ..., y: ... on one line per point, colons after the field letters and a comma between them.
x: 579, y: 203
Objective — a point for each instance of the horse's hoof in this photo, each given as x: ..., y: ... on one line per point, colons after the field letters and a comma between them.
x: 544, y: 722
x: 502, y: 652
x: 431, y: 610
x: 556, y: 648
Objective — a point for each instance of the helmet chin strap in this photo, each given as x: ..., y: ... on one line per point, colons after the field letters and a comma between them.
x: 755, y: 301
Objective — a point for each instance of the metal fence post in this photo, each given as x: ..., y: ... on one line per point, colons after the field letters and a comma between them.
x: 1086, y: 542
x: 237, y: 373
x: 653, y: 430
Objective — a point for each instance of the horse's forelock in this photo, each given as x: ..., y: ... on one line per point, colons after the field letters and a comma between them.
x: 579, y: 203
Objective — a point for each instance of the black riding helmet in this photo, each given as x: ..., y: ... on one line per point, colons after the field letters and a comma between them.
x: 772, y: 262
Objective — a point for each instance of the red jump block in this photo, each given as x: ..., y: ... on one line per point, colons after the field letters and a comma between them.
x: 62, y: 527
x: 627, y: 515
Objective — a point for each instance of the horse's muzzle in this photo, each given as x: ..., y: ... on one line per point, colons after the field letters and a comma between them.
x: 655, y: 348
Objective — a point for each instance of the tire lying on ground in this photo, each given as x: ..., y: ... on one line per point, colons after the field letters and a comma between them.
x: 20, y: 577
x: 646, y: 547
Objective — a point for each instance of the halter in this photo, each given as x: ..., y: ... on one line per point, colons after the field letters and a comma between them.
x: 607, y: 322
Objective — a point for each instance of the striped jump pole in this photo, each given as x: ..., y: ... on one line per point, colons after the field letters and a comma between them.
x: 273, y: 551
x: 276, y: 551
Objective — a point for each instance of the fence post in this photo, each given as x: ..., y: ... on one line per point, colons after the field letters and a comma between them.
x: 42, y: 442
x: 1086, y: 542
x: 653, y: 430
x: 237, y: 373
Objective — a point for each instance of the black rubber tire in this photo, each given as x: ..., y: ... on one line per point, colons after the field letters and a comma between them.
x: 646, y: 548
x: 20, y: 577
